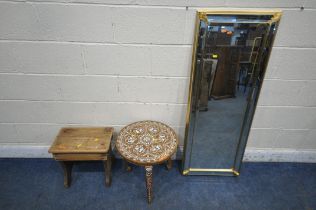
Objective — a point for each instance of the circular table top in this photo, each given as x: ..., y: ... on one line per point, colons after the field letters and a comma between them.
x: 147, y: 142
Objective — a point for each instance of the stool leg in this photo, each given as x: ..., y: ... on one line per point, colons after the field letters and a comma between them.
x: 149, y: 182
x: 169, y: 164
x: 107, y: 167
x: 67, y: 166
x: 127, y: 166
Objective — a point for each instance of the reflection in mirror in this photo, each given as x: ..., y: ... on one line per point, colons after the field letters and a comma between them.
x: 229, y: 61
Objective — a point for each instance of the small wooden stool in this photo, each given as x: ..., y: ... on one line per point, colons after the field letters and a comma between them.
x: 83, y: 144
x: 147, y: 143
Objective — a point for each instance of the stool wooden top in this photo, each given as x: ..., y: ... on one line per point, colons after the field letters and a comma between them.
x: 147, y: 142
x: 82, y: 140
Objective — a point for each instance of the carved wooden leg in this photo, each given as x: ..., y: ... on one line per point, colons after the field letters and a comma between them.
x: 149, y: 182
x: 67, y: 166
x: 126, y: 166
x: 169, y: 164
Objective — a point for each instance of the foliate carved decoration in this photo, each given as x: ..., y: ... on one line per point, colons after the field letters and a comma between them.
x: 147, y: 142
x: 203, y: 17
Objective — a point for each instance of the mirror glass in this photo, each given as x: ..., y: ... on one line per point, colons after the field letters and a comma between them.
x: 230, y: 57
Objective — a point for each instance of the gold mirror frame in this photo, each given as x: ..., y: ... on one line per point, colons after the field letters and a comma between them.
x: 201, y: 15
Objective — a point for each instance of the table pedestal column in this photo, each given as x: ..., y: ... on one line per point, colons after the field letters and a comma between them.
x: 149, y: 182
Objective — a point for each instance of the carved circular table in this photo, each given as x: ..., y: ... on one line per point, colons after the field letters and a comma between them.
x: 147, y: 143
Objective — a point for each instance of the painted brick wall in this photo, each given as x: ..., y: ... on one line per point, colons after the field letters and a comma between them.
x: 108, y: 62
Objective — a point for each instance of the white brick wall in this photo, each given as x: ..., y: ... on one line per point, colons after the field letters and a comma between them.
x: 108, y: 62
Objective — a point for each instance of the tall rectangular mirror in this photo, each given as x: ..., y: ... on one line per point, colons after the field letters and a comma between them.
x: 230, y: 55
